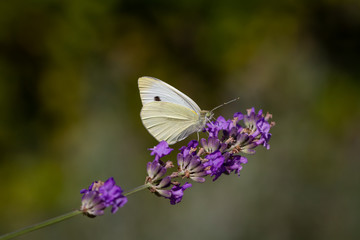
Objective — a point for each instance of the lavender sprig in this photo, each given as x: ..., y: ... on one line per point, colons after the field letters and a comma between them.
x: 101, y: 195
x: 220, y: 154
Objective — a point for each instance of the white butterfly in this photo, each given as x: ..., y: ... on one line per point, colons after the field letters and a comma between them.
x: 167, y: 113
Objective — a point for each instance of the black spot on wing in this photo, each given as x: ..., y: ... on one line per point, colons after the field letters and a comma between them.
x: 157, y: 98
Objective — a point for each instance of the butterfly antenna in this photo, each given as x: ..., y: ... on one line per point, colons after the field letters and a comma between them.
x: 209, y: 120
x: 233, y: 100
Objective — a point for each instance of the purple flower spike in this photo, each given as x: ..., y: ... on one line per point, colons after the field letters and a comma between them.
x: 160, y: 150
x: 177, y: 193
x: 101, y: 195
x: 221, y: 153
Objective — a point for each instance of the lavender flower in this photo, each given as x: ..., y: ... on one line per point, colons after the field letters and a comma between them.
x: 217, y: 155
x: 230, y: 164
x: 213, y: 128
x: 154, y: 180
x: 192, y: 167
x: 177, y: 193
x: 158, y: 183
x: 155, y: 171
x: 211, y: 145
x: 215, y: 161
x: 101, y: 195
x: 234, y: 139
x: 161, y: 150
x: 189, y: 149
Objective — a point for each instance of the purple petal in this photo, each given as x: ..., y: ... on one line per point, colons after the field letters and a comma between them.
x: 161, y: 150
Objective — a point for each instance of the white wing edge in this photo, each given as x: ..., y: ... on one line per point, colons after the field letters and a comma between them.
x: 149, y: 85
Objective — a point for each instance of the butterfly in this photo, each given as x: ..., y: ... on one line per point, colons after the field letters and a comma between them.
x: 167, y: 113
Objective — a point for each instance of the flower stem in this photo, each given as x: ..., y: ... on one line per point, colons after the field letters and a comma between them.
x: 40, y: 225
x: 142, y: 187
x: 58, y: 219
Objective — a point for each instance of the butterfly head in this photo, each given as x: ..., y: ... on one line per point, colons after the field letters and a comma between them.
x: 205, y: 117
x: 208, y: 115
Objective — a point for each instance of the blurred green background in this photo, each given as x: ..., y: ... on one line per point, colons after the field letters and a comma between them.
x: 69, y: 114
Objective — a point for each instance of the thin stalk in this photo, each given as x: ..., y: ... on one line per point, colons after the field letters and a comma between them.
x: 58, y: 219
x: 40, y: 225
x: 137, y: 189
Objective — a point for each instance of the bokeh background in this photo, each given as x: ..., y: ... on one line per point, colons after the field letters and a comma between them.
x: 69, y: 114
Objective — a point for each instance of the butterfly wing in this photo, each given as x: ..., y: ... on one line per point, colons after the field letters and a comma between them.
x: 169, y: 121
x: 153, y: 89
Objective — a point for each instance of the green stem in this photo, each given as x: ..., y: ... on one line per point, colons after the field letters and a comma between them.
x: 142, y: 187
x: 40, y: 225
x: 59, y: 218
